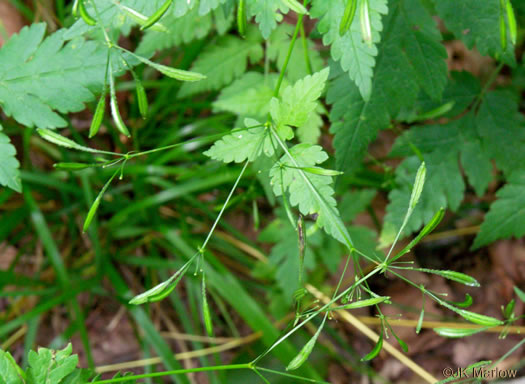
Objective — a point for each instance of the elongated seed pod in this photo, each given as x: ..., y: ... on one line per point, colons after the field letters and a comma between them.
x: 503, y: 32
x: 366, y: 29
x: 377, y: 348
x: 142, y: 98
x: 511, y: 18
x: 206, y: 309
x: 98, y: 116
x: 73, y: 166
x: 115, y: 113
x: 75, y: 8
x: 157, y: 15
x: 348, y: 16
x: 241, y: 18
x: 85, y: 15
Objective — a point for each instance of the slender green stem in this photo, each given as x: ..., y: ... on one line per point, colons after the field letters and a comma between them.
x: 288, y: 55
x: 305, y: 46
x: 196, y: 140
x: 291, y: 376
x: 314, y: 314
x: 224, y: 206
x: 230, y: 367
x: 261, y: 376
x: 487, y: 86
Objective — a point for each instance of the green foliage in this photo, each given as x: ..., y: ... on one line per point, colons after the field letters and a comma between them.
x: 356, y: 56
x: 286, y: 177
x: 246, y: 134
x: 266, y: 14
x: 506, y: 215
x: 477, y: 23
x: 40, y: 77
x: 410, y: 59
x: 223, y: 61
x: 298, y: 103
x: 9, y: 173
x: 45, y: 366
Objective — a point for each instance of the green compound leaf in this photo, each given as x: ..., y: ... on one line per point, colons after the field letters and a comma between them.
x: 506, y: 217
x: 477, y: 23
x: 411, y: 58
x: 9, y: 165
x: 223, y: 61
x: 500, y: 125
x: 301, y: 195
x: 40, y: 78
x: 356, y: 56
x: 243, y: 145
x: 297, y: 103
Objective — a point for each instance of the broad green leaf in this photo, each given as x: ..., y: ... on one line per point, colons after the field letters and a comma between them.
x: 500, y: 125
x: 458, y: 332
x: 411, y: 58
x: 441, y: 147
x: 476, y: 23
x: 9, y: 370
x: 223, y: 61
x: 40, y: 78
x: 9, y: 165
x: 357, y: 57
x: 243, y: 145
x: 506, y: 217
